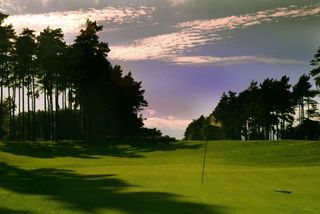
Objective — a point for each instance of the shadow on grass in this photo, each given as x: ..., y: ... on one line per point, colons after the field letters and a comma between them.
x: 89, y: 151
x: 9, y: 211
x: 91, y: 193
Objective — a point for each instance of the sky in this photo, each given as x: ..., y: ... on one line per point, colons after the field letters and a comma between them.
x: 187, y: 52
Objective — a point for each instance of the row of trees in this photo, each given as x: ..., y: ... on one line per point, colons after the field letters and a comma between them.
x: 273, y: 109
x: 82, y: 94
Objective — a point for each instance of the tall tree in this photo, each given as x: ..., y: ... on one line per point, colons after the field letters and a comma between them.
x: 303, y: 94
x: 7, y: 36
x: 26, y: 68
x: 51, y: 49
x: 109, y: 102
x: 316, y: 71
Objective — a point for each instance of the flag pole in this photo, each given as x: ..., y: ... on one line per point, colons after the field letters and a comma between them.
x: 205, y: 154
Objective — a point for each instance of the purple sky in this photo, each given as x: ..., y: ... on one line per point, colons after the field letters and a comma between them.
x: 188, y: 52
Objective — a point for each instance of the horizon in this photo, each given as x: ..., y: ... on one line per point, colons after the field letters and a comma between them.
x: 187, y: 52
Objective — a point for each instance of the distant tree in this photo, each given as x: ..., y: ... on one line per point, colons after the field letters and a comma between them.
x: 227, y: 111
x: 263, y: 111
x: 303, y: 94
x: 150, y: 133
x: 200, y: 129
x: 196, y: 130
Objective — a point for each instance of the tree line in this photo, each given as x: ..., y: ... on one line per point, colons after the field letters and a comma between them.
x: 82, y: 94
x: 273, y: 109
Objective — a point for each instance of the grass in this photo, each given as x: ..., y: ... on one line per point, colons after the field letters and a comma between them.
x: 240, y: 177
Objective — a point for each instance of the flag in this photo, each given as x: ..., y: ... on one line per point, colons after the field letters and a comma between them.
x: 214, y: 122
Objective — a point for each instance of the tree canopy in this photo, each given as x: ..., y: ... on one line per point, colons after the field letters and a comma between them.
x: 262, y: 111
x: 83, y: 94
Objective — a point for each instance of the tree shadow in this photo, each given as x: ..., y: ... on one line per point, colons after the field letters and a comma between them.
x: 9, y: 211
x: 91, y: 193
x: 90, y: 151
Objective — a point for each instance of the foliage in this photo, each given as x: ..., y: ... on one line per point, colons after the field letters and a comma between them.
x: 200, y: 129
x: 4, y: 122
x: 264, y: 111
x: 80, y: 87
x: 315, y: 62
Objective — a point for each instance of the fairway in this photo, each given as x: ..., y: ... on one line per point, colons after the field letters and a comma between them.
x: 240, y: 177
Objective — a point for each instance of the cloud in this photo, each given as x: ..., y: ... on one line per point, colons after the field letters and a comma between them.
x: 159, y: 47
x: 186, y: 60
x: 44, y: 2
x: 72, y: 21
x: 176, y: 3
x: 150, y: 112
x: 7, y: 6
x: 170, y: 122
x: 194, y: 34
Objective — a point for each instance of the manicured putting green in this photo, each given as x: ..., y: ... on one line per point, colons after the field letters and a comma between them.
x: 240, y: 177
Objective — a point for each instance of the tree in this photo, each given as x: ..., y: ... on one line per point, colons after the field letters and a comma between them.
x: 109, y: 102
x: 227, y: 112
x: 196, y: 130
x: 316, y: 71
x: 303, y: 94
x: 26, y: 69
x: 103, y: 102
x: 51, y: 49
x: 7, y: 36
x: 4, y: 119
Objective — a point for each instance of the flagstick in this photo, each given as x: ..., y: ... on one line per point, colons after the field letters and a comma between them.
x: 205, y: 155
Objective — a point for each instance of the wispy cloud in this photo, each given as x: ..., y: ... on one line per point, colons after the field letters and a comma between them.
x: 191, y: 35
x: 71, y: 21
x: 205, y: 60
x: 11, y: 5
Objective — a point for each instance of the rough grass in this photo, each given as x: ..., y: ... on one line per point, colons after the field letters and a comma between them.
x: 240, y: 177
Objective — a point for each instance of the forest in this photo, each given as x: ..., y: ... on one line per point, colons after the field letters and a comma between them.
x: 271, y: 110
x: 83, y: 96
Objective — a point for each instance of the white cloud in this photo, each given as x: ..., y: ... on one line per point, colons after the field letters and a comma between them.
x: 191, y: 35
x: 159, y: 47
x: 185, y: 60
x: 72, y: 21
x: 150, y: 112
x: 176, y: 3
x: 170, y: 122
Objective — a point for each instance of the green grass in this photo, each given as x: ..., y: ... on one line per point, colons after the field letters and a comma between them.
x: 240, y: 177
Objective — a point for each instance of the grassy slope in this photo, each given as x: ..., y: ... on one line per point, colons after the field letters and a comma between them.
x: 241, y: 177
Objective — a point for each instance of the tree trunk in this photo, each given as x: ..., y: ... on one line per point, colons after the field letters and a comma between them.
x: 23, y: 117
x: 51, y: 115
x: 13, y: 110
x: 19, y: 111
x: 34, y: 121
x: 10, y: 114
x: 29, y: 119
x: 45, y: 130
x: 56, y: 114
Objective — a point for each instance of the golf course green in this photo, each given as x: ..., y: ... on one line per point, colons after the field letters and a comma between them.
x: 240, y: 177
